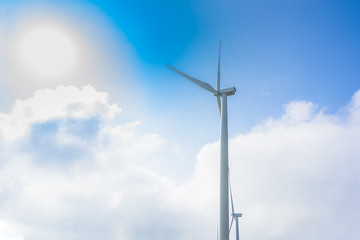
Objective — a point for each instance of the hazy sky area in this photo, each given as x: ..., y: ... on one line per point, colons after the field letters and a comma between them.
x: 100, y: 140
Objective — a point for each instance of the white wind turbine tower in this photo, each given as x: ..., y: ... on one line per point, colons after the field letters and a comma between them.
x: 221, y: 95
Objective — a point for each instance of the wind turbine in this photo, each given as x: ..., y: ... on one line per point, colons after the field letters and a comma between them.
x: 234, y: 216
x: 221, y: 96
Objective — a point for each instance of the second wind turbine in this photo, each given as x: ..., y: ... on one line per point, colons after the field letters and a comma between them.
x: 221, y: 96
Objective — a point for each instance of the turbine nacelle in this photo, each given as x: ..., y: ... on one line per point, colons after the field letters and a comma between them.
x: 227, y: 91
x: 236, y: 215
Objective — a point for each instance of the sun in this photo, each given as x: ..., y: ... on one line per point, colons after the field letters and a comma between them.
x: 47, y: 51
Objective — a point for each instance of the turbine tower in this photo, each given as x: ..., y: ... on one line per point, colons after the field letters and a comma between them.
x: 221, y: 96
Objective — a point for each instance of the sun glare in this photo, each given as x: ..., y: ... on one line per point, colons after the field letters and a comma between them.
x: 47, y: 51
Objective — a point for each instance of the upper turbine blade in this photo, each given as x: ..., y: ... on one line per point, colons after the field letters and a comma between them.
x: 218, y: 74
x: 196, y: 81
x: 218, y: 82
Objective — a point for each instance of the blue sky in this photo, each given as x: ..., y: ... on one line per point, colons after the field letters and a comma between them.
x: 86, y: 99
x: 273, y: 51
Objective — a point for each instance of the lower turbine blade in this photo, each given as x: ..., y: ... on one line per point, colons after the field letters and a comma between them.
x: 232, y: 220
x: 219, y: 103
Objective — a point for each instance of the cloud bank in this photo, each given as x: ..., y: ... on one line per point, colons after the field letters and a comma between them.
x: 70, y: 169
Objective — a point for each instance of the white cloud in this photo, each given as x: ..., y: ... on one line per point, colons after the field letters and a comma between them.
x: 9, y: 232
x: 296, y: 176
x: 62, y: 102
x: 71, y: 172
x: 75, y: 173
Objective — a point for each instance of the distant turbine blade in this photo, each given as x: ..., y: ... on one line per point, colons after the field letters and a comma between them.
x: 217, y: 233
x: 218, y: 74
x: 232, y: 220
x: 232, y: 203
x: 232, y: 208
x: 196, y: 81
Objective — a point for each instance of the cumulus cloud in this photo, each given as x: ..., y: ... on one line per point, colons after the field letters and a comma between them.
x: 297, y: 176
x: 48, y: 104
x: 69, y: 170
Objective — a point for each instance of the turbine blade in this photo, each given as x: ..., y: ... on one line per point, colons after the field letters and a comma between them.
x: 232, y: 220
x: 219, y: 103
x: 196, y: 81
x: 218, y: 74
x: 217, y: 232
x: 232, y: 203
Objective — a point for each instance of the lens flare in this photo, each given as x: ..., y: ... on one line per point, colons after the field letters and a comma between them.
x: 47, y: 51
